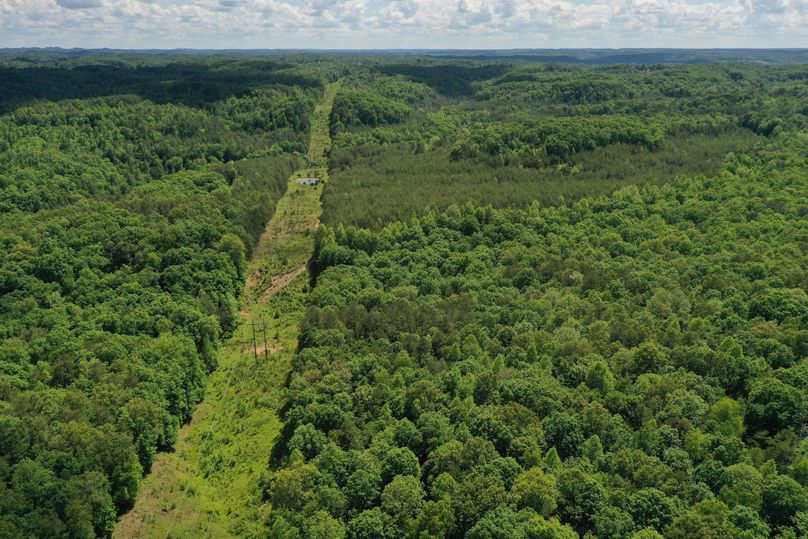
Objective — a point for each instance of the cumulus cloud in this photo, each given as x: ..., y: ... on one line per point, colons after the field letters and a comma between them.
x: 403, y: 23
x: 79, y: 4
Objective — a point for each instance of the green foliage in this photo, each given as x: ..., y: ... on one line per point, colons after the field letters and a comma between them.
x: 376, y: 183
x: 321, y: 525
x: 597, y: 366
x: 126, y: 226
x: 56, y: 153
x: 511, y: 134
x: 536, y: 490
x: 402, y: 498
x: 364, y: 107
x: 649, y: 507
x: 452, y: 79
x: 783, y: 498
x: 533, y: 143
x: 192, y: 80
x: 618, y: 353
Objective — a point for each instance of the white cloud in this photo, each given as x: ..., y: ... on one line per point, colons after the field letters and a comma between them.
x: 403, y: 23
x: 79, y: 4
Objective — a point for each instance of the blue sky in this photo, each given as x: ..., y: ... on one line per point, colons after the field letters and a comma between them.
x: 403, y: 23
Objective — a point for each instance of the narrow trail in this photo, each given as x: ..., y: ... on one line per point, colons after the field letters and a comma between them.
x: 211, y: 484
x: 280, y: 282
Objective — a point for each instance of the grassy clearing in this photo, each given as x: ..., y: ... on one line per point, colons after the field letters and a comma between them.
x: 211, y: 485
x: 288, y: 240
x: 320, y: 139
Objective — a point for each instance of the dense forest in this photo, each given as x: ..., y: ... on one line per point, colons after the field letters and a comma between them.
x: 125, y: 225
x: 554, y: 296
x: 510, y: 134
x: 629, y: 366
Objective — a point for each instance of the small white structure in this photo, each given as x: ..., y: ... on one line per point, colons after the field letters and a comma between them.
x: 308, y: 181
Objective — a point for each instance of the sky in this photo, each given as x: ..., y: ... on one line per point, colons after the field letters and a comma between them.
x: 403, y: 24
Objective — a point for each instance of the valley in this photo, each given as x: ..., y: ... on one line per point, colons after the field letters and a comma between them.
x: 210, y: 484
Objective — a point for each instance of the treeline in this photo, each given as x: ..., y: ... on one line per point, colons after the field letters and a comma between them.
x: 125, y: 228
x: 534, y: 143
x: 566, y: 85
x: 645, y: 88
x: 631, y: 56
x: 631, y: 366
x: 453, y: 79
x: 378, y: 183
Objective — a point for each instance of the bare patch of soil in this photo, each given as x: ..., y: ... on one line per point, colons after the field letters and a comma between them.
x: 280, y: 282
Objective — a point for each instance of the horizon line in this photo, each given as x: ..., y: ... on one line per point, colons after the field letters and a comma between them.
x: 405, y: 49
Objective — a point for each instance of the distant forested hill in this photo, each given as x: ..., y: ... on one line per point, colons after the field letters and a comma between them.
x: 567, y: 56
x: 635, y: 56
x: 422, y: 134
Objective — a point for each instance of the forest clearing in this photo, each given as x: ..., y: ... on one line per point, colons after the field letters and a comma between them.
x: 210, y: 484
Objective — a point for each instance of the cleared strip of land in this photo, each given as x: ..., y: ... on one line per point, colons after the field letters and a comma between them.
x: 211, y: 484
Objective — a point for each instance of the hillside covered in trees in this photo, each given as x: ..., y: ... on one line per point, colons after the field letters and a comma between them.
x: 553, y: 296
x: 510, y: 134
x: 125, y: 226
x: 631, y: 365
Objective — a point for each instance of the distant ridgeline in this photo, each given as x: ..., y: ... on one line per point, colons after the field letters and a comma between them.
x: 566, y: 56
x: 633, y: 56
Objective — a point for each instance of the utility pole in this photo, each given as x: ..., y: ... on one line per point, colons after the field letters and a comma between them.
x: 255, y: 344
x: 266, y: 349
